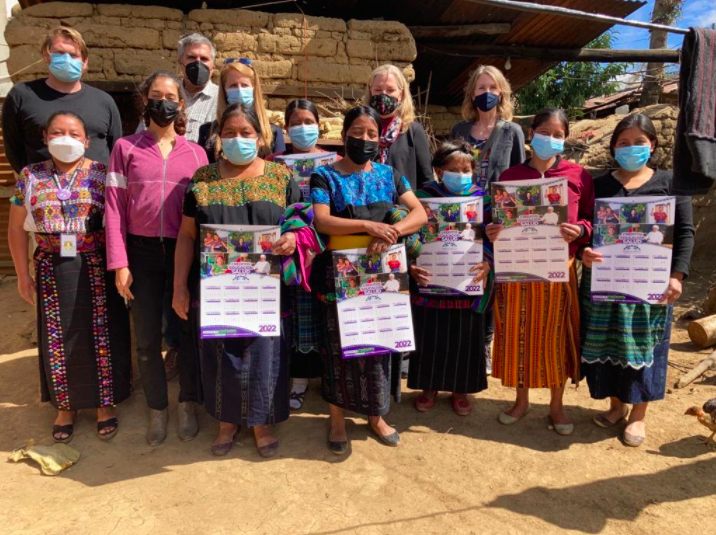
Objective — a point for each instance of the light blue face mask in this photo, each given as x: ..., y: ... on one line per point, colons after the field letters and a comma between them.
x: 546, y: 146
x: 240, y: 95
x: 458, y: 183
x: 304, y: 136
x: 239, y: 150
x: 632, y: 158
x: 65, y: 68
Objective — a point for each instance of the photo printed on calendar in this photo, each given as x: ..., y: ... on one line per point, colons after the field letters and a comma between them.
x: 530, y: 247
x: 635, y: 236
x: 240, y: 288
x: 302, y: 166
x: 373, y: 302
x: 452, y: 245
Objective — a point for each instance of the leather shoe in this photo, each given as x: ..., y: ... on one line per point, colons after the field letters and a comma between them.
x: 187, y: 424
x: 157, y: 430
x: 392, y: 440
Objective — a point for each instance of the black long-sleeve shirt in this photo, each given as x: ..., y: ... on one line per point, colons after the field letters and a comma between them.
x: 606, y: 186
x: 410, y: 156
x: 29, y: 105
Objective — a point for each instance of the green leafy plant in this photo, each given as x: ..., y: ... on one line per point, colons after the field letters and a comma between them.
x: 569, y: 84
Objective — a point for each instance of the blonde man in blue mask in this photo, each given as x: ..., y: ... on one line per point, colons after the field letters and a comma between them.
x: 29, y: 104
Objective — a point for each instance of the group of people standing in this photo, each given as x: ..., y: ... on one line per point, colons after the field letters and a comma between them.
x: 116, y: 219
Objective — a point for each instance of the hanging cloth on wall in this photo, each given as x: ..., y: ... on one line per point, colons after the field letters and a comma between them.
x: 695, y: 145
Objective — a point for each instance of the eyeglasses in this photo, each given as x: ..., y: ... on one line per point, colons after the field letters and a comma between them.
x: 243, y: 61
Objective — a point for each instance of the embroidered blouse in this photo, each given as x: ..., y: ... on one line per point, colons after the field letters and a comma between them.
x: 83, y: 212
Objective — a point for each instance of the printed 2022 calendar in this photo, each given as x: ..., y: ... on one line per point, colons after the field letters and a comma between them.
x: 452, y: 245
x: 635, y: 236
x: 373, y: 302
x: 530, y: 247
x: 240, y: 288
x: 302, y: 166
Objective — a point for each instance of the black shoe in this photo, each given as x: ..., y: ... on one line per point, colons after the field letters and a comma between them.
x: 111, y: 423
x: 392, y: 440
x: 339, y: 447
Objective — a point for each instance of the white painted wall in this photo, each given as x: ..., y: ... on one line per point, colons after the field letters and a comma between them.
x: 5, y: 9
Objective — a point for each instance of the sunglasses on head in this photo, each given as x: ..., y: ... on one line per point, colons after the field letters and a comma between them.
x: 243, y: 61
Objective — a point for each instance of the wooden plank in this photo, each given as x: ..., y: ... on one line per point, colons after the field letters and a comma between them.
x: 459, y: 30
x: 559, y: 54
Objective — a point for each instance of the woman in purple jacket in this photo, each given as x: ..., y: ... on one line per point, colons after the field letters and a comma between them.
x: 148, y: 173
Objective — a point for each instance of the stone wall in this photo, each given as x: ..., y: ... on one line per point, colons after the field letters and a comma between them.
x: 129, y: 42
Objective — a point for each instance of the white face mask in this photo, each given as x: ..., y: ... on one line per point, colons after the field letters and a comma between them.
x: 66, y: 149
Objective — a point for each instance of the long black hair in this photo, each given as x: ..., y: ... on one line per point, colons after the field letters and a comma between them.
x: 235, y: 110
x: 300, y: 104
x: 642, y: 122
x: 360, y: 111
x: 547, y: 114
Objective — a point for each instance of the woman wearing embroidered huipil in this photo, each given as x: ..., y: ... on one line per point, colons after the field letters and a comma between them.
x: 245, y: 380
x: 353, y: 200
x: 625, y: 347
x: 82, y: 323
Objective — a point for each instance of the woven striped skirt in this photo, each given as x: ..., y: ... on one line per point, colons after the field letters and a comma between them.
x: 537, y: 333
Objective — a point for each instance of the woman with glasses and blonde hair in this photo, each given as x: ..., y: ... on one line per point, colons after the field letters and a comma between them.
x: 497, y: 143
x: 241, y: 84
x: 403, y: 143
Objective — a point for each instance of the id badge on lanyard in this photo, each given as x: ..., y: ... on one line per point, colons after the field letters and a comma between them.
x: 68, y: 245
x: 68, y: 242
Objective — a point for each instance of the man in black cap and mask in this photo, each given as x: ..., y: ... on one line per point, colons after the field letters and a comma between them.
x: 196, y: 60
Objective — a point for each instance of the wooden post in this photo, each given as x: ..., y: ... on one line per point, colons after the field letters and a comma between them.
x: 665, y: 12
x: 703, y: 332
x: 461, y: 30
x: 603, y: 55
x: 709, y: 363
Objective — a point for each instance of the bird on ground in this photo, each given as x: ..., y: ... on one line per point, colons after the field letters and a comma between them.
x: 706, y: 416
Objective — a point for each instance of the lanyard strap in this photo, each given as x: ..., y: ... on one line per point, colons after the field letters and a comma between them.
x: 71, y: 182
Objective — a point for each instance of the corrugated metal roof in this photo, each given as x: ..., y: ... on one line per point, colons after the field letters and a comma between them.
x: 450, y: 72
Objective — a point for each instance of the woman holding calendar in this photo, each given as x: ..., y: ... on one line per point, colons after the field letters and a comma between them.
x: 353, y: 200
x: 537, y: 323
x: 625, y: 347
x: 245, y: 380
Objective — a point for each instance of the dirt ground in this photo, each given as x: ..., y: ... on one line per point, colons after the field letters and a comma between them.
x: 451, y: 474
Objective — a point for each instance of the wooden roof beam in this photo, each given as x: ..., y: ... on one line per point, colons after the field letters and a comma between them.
x: 459, y: 30
x: 665, y: 55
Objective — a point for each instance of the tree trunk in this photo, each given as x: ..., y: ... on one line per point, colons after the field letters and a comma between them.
x: 651, y: 90
x: 703, y: 332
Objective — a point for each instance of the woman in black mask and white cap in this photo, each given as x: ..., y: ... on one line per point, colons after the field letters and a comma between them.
x: 403, y: 143
x: 352, y: 201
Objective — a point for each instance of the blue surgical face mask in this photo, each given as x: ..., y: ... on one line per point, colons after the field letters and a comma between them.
x: 65, y: 68
x: 546, y: 146
x: 304, y: 136
x: 240, y: 95
x: 240, y: 150
x: 632, y: 158
x: 458, y: 183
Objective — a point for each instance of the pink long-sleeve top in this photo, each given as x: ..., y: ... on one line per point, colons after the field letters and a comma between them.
x: 580, y: 207
x: 144, y: 191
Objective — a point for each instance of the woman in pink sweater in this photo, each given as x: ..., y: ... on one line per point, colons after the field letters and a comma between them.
x: 148, y: 173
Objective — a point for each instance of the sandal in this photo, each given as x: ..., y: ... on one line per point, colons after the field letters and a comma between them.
x: 424, y: 402
x: 223, y: 449
x: 67, y: 429
x: 605, y: 423
x: 111, y: 423
x: 296, y: 399
x: 461, y: 406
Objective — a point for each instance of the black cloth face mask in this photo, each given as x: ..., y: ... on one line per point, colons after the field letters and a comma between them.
x: 163, y: 112
x: 360, y: 150
x: 384, y: 104
x: 197, y: 73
